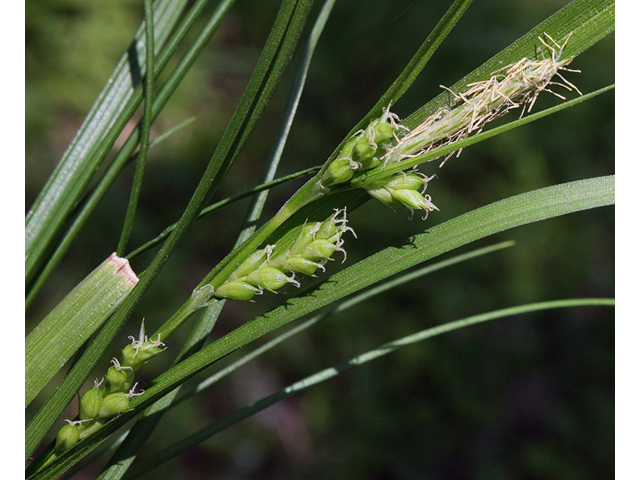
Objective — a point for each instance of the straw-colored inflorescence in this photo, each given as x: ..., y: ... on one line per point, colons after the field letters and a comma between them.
x: 271, y: 268
x: 111, y: 395
x: 514, y: 86
x: 385, y: 141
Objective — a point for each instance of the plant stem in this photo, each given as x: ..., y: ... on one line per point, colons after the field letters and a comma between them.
x: 144, y: 133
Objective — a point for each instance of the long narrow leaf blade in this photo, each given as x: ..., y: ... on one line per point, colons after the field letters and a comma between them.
x: 497, y: 217
x: 192, y: 440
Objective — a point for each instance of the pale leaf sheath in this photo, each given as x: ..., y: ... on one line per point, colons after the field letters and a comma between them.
x: 78, y: 316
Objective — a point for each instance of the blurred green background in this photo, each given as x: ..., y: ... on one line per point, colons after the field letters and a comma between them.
x: 521, y: 398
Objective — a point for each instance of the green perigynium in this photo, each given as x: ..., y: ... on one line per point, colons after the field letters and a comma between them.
x: 363, y: 151
x: 90, y: 403
x: 67, y: 437
x: 118, y: 378
x: 237, y: 290
x: 114, y: 404
x: 403, y: 189
x: 310, y: 251
x: 140, y: 351
x: 270, y: 278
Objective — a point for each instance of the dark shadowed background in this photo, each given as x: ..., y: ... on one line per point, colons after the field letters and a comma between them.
x: 521, y: 398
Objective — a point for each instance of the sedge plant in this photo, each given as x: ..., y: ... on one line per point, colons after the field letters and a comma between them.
x: 300, y: 260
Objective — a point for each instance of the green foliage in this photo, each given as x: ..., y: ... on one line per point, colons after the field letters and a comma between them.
x: 432, y: 406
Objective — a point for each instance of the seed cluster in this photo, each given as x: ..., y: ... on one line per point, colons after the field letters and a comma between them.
x: 368, y: 149
x: 111, y: 395
x: 267, y: 270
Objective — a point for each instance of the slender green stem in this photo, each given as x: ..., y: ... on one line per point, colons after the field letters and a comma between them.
x: 222, y: 203
x: 144, y: 132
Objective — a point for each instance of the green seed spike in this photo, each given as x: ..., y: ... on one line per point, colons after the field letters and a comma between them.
x: 363, y: 151
x: 314, y: 245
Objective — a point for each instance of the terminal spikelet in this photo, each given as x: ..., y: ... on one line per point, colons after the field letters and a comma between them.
x: 514, y: 86
x: 385, y: 141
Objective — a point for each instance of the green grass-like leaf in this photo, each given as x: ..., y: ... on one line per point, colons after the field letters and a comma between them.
x: 205, y: 433
x: 56, y: 338
x: 162, y: 97
x: 92, y: 142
